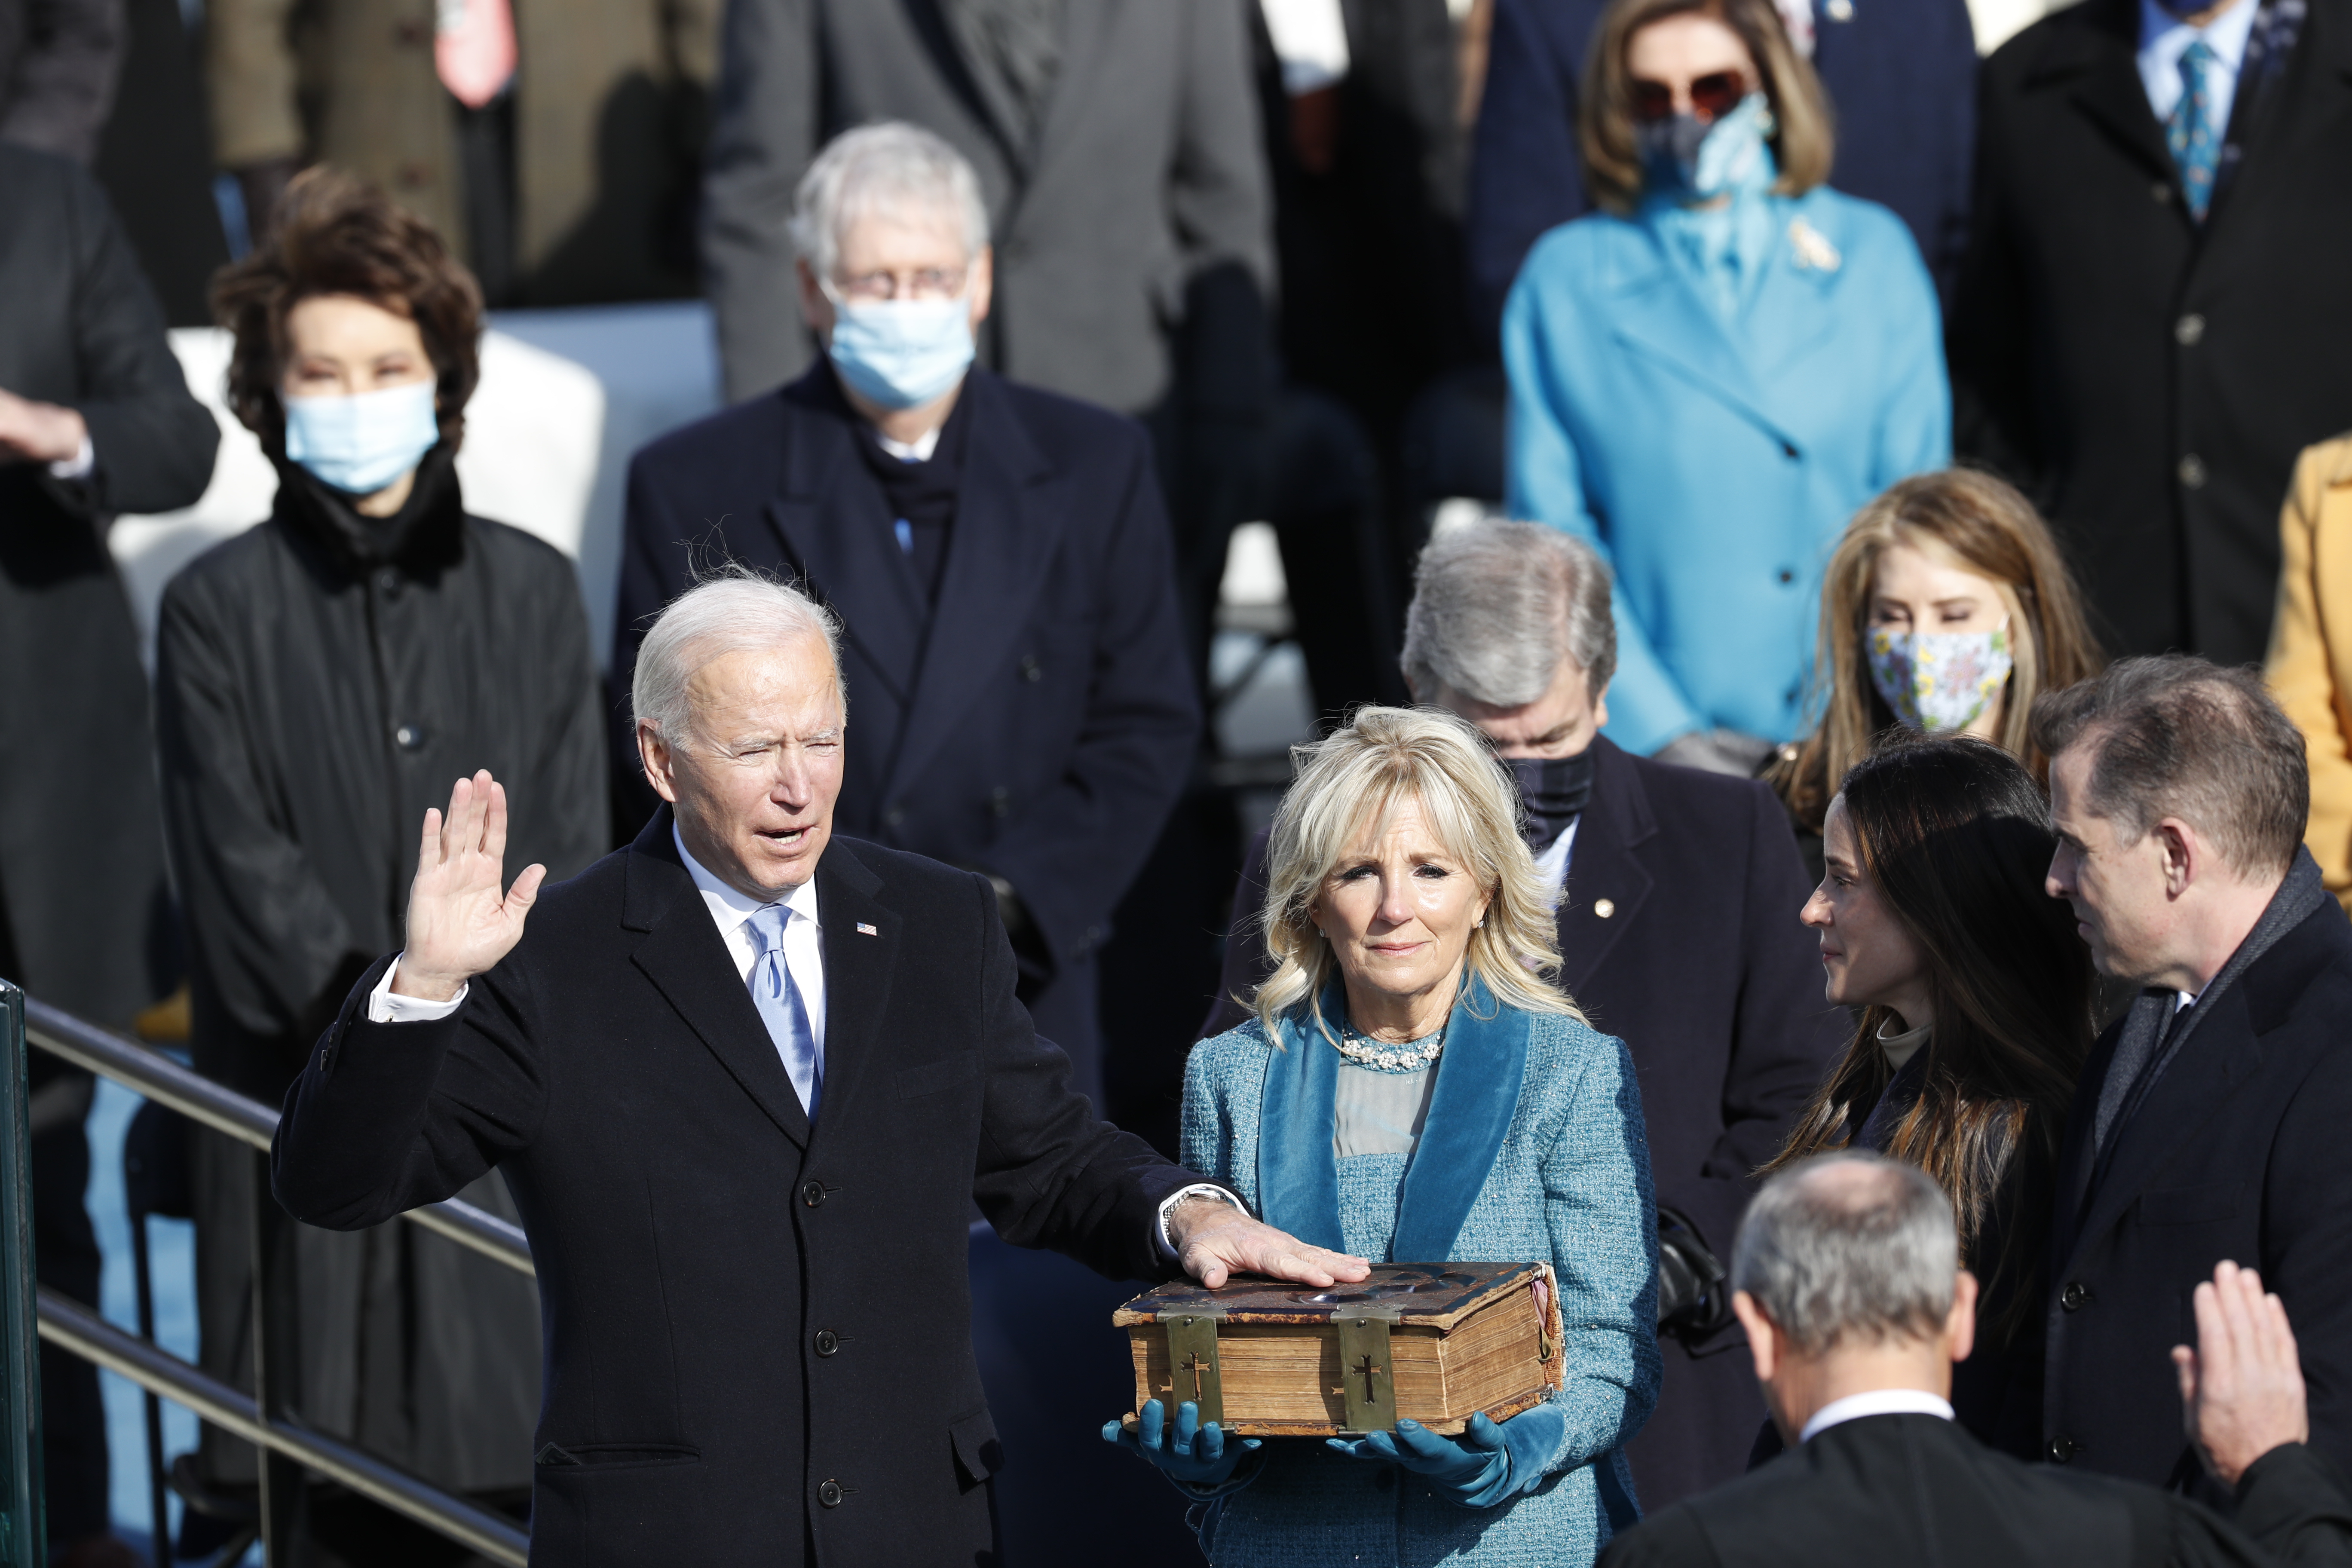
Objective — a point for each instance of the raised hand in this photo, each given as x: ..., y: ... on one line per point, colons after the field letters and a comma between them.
x: 459, y: 923
x: 2242, y: 1388
x: 1215, y: 1239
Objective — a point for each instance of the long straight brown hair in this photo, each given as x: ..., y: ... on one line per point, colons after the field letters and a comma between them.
x: 1976, y: 522
x: 1955, y: 835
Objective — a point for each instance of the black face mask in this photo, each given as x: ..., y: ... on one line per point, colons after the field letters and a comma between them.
x: 1553, y: 790
x: 1668, y: 149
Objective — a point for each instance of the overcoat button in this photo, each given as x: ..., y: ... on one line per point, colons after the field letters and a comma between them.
x: 2192, y: 472
x: 2062, y: 1448
x: 409, y: 737
x: 827, y: 1341
x: 1604, y: 907
x: 829, y: 1493
x: 812, y: 1193
x: 2189, y: 331
x: 2075, y: 1294
x: 2160, y: 191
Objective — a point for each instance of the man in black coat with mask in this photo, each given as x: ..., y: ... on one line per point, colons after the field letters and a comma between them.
x: 1678, y: 933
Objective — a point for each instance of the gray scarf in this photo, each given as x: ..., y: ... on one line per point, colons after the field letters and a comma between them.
x: 2146, y: 1049
x: 1013, y: 51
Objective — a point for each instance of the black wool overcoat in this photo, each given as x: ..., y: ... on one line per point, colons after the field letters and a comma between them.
x: 759, y: 1333
x: 2149, y: 380
x: 1678, y: 934
x: 81, y: 849
x: 2236, y: 1152
x: 1036, y: 722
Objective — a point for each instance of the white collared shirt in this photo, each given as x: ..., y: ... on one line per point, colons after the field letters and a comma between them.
x: 731, y: 912
x: 1552, y: 864
x: 2164, y: 38
x: 1876, y: 1401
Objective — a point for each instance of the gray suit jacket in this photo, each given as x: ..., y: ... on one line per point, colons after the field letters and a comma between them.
x: 1148, y: 170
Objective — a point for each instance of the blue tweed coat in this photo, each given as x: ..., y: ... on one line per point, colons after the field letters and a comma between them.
x: 1533, y: 1149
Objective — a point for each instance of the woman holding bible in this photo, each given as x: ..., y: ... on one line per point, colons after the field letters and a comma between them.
x: 1415, y: 1089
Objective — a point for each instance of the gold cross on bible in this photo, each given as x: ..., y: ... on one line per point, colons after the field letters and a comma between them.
x: 1196, y: 1366
x: 1367, y: 1369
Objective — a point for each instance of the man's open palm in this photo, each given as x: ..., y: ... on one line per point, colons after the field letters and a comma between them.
x: 460, y: 922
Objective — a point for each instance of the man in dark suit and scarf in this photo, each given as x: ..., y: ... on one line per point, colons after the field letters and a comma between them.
x: 95, y: 419
x: 999, y: 555
x: 1678, y: 933
x: 1849, y: 1287
x: 2211, y: 1116
x: 746, y: 1080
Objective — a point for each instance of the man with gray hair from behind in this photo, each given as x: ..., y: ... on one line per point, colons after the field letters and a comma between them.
x: 2211, y: 1118
x: 1847, y: 1280
x: 1509, y: 628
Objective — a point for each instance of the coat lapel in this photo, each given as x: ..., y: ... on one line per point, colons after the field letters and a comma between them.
x: 858, y: 965
x: 834, y: 526
x: 1603, y: 867
x: 1793, y: 312
x: 1477, y: 1094
x: 1659, y: 313
x: 2094, y: 58
x: 683, y: 956
x: 1008, y: 523
x: 1297, y: 1174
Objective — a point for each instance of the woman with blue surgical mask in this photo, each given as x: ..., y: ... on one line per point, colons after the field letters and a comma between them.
x: 1946, y: 610
x: 1713, y: 370
x: 320, y: 679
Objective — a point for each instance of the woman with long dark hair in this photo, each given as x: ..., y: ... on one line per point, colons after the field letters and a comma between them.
x: 1974, y: 998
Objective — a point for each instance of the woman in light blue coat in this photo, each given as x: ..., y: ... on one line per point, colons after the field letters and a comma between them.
x: 1710, y: 376
x: 1414, y: 1088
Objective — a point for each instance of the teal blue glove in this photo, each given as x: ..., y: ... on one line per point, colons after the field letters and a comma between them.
x: 1190, y: 1453
x: 1486, y: 1466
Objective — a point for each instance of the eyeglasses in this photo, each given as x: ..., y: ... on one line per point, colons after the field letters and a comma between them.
x: 1712, y: 97
x: 924, y: 283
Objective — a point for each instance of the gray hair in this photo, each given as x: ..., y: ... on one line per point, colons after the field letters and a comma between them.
x: 1497, y: 605
x: 891, y: 167
x: 2178, y: 736
x: 1849, y: 1244
x: 732, y: 612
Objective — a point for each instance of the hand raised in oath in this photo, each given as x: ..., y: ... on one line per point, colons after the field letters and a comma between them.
x: 459, y: 923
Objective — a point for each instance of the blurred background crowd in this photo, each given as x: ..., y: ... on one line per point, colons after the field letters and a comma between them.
x: 372, y: 370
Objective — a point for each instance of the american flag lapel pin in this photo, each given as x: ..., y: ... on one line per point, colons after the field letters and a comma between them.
x: 865, y: 930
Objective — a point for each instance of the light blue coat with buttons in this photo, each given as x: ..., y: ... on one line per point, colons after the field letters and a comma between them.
x: 1715, y: 461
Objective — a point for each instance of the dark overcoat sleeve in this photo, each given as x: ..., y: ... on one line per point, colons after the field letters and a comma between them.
x: 1526, y: 174
x: 569, y: 763
x: 2307, y: 1245
x: 1072, y: 851
x: 1673, y: 1538
x: 153, y: 441
x: 2294, y: 1504
x: 1989, y: 343
x: 763, y: 132
x: 266, y: 928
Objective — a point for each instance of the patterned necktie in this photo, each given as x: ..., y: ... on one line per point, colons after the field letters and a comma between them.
x: 778, y: 1001
x: 474, y: 48
x: 2189, y: 133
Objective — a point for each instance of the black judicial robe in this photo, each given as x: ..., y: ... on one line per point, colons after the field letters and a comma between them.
x: 321, y: 682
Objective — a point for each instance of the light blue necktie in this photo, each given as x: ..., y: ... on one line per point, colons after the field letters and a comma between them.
x: 778, y: 1001
x: 2194, y: 140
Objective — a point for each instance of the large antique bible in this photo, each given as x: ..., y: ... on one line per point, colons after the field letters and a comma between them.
x: 1433, y: 1342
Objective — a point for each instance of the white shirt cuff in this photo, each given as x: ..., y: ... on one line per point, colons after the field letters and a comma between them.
x: 76, y: 466
x: 1197, y: 1190
x: 384, y: 1007
x: 1310, y: 39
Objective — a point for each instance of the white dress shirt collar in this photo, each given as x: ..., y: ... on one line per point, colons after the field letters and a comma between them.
x: 2164, y: 38
x: 1876, y: 1401
x: 729, y: 907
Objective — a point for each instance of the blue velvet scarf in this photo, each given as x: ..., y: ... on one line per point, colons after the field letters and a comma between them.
x: 1478, y: 1080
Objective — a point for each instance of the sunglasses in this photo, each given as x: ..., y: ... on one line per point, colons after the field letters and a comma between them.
x: 1712, y: 97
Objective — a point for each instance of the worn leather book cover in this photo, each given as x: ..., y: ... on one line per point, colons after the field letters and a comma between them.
x: 1434, y: 1341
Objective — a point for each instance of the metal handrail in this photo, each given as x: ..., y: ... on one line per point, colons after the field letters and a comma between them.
x: 193, y: 1094
x: 75, y: 1327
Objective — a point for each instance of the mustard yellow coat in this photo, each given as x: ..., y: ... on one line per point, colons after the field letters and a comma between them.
x: 2310, y: 663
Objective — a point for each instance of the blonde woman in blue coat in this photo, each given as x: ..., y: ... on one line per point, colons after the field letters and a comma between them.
x: 1414, y: 1088
x: 1712, y: 373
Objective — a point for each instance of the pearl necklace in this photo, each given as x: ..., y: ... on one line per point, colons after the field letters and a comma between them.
x: 1411, y: 1056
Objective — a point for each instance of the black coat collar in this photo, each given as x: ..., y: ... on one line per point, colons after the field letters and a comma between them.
x: 426, y: 535
x: 1604, y: 870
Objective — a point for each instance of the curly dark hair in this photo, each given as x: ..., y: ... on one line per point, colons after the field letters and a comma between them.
x: 335, y: 233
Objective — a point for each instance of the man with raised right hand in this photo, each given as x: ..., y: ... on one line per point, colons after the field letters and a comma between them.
x: 745, y: 1082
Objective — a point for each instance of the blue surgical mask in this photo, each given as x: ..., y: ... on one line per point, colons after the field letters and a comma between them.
x: 362, y: 442
x: 1690, y: 162
x: 900, y: 353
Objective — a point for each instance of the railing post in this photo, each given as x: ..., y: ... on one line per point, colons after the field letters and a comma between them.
x: 277, y: 1373
x: 23, y: 1536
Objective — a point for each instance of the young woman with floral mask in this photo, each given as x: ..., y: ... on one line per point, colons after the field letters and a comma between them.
x: 1944, y: 609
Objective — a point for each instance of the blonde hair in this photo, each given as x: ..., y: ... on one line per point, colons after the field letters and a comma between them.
x: 1803, y: 138
x: 1980, y: 524
x: 1352, y: 782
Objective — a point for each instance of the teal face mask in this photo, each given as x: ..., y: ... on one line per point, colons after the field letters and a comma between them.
x: 362, y: 442
x: 900, y: 353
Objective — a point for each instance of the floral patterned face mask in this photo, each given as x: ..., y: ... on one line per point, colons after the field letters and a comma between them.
x: 1938, y: 682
